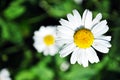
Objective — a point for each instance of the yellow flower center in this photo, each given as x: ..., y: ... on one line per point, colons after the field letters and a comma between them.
x: 49, y: 40
x: 83, y: 38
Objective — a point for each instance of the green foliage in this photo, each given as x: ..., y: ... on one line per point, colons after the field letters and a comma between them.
x: 10, y: 31
x: 39, y: 72
x: 25, y: 75
x: 114, y: 61
x: 58, y: 8
x: 20, y: 18
x: 14, y: 10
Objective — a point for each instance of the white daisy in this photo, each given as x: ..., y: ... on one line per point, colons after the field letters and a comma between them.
x: 4, y: 75
x: 64, y: 66
x: 78, y: 1
x: 81, y: 36
x: 45, y: 40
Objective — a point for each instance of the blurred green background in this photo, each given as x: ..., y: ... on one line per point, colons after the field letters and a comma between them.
x: 20, y: 18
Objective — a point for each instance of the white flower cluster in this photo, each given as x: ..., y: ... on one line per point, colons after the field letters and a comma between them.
x: 4, y: 74
x: 79, y: 36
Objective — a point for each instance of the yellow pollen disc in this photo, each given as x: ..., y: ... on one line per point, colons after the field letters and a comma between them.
x: 49, y: 40
x: 83, y: 38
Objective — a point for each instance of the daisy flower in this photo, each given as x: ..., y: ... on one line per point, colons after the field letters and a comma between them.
x: 81, y: 36
x: 64, y: 66
x: 4, y: 75
x: 78, y: 1
x: 45, y: 40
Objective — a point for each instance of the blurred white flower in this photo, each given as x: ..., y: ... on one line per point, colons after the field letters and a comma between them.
x: 4, y: 75
x: 78, y: 1
x: 64, y: 66
x: 82, y: 35
x: 45, y: 40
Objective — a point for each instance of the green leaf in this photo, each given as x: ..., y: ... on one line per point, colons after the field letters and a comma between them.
x: 58, y: 9
x: 10, y: 31
x: 14, y: 11
x: 43, y: 72
x: 25, y: 75
x: 15, y: 33
x: 77, y: 72
x: 114, y: 54
x: 5, y: 32
x: 27, y: 59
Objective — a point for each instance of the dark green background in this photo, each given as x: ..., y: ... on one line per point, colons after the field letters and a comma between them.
x: 20, y: 18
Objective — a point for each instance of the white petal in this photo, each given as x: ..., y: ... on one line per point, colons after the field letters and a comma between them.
x: 84, y: 16
x: 104, y: 30
x: 46, y: 51
x: 74, y: 56
x: 4, y: 73
x: 60, y: 41
x: 79, y: 57
x: 73, y: 21
x: 100, y: 48
x: 77, y: 15
x: 70, y: 17
x: 92, y: 56
x: 37, y: 34
x: 85, y: 62
x: 64, y: 36
x: 66, y: 23
x: 53, y: 50
x: 97, y: 19
x: 100, y: 28
x: 39, y: 47
x: 42, y: 28
x: 43, y: 31
x: 77, y: 18
x: 67, y: 49
x: 102, y: 42
x: 64, y: 30
x: 84, y: 58
x: 8, y: 78
x: 107, y: 38
x: 38, y: 40
x: 88, y: 20
x: 50, y: 29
